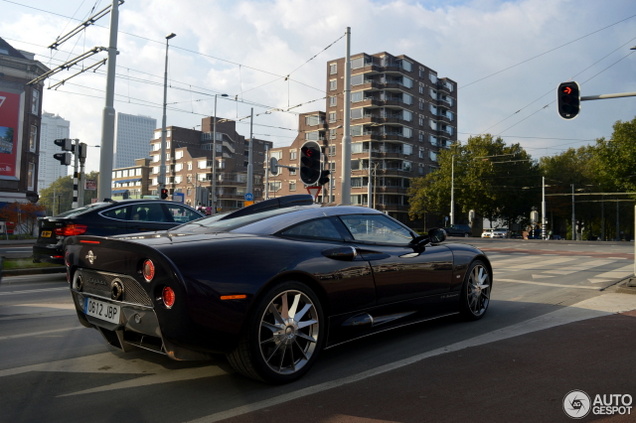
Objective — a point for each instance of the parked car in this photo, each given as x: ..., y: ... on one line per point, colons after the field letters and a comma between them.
x: 459, y: 230
x: 487, y: 233
x: 107, y: 218
x: 272, y: 284
x: 500, y: 233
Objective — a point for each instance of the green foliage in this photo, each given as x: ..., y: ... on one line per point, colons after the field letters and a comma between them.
x: 58, y: 197
x: 615, y: 159
x: 488, y: 177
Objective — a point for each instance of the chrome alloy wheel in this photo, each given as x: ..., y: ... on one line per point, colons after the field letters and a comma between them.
x: 477, y: 290
x: 288, y: 332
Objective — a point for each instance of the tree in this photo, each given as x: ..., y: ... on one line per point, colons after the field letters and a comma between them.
x: 487, y: 176
x: 24, y: 215
x: 615, y: 163
x: 58, y: 196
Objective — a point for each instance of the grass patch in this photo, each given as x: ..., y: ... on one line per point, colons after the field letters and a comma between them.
x: 24, y: 263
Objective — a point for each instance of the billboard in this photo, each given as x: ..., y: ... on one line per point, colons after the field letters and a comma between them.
x: 9, y: 134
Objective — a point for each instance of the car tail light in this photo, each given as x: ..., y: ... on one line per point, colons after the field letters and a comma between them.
x: 148, y: 270
x: 168, y: 297
x: 71, y: 230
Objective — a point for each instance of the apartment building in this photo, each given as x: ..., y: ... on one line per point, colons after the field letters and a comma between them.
x: 194, y: 171
x: 402, y: 114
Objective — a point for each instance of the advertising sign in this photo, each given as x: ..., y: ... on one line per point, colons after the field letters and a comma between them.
x: 9, y: 130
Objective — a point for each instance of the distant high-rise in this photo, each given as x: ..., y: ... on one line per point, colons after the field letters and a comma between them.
x: 52, y: 127
x: 133, y: 134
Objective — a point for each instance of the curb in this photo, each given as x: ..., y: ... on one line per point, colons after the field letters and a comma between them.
x: 33, y: 271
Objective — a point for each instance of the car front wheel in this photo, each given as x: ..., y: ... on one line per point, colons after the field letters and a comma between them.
x: 284, y: 337
x: 475, y: 296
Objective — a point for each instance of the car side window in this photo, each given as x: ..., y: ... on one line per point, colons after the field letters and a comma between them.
x: 314, y: 229
x: 120, y: 213
x: 181, y: 214
x: 376, y: 229
x: 157, y: 214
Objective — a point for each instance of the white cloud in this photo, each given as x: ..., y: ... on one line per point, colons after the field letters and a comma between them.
x: 503, y: 54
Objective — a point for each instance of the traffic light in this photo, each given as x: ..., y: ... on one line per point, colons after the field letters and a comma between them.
x: 164, y: 193
x: 310, y: 165
x: 324, y: 177
x: 64, y: 158
x: 569, y: 99
x: 65, y: 143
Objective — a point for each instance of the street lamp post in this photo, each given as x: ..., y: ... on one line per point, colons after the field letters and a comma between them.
x: 162, y: 169
x: 214, y: 155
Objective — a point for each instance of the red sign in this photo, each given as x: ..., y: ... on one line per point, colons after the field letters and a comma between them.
x: 314, y: 191
x: 9, y: 130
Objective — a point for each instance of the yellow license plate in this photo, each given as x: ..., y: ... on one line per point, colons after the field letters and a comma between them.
x: 46, y: 234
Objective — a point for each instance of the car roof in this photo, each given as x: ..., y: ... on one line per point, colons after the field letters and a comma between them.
x: 111, y: 203
x: 278, y: 222
x: 270, y: 216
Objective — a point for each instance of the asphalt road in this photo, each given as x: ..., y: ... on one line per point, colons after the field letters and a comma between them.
x: 553, y: 327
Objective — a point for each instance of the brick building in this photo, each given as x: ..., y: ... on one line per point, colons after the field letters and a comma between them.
x: 20, y: 121
x: 189, y: 164
x: 402, y: 115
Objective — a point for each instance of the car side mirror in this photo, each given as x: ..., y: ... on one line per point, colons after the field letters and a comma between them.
x: 437, y: 235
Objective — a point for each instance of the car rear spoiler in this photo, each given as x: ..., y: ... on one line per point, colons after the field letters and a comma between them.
x: 274, y: 203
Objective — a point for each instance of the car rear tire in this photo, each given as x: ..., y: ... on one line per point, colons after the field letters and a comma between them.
x: 475, y: 296
x: 284, y: 335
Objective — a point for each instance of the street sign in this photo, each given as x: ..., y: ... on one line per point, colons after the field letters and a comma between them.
x: 314, y: 191
x: 249, y: 196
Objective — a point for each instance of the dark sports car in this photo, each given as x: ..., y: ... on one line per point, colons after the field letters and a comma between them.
x: 107, y: 218
x: 272, y: 284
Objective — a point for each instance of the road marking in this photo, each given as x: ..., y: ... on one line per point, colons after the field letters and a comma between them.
x: 34, y: 334
x: 620, y: 273
x: 602, y: 305
x: 556, y: 285
x: 30, y: 291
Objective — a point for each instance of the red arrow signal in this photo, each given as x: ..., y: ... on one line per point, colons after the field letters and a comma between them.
x: 567, y: 90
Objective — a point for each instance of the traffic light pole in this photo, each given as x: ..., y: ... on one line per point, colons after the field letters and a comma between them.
x: 75, y: 174
x: 604, y: 96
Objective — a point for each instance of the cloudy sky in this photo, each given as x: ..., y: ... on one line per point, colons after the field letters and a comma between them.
x: 507, y: 57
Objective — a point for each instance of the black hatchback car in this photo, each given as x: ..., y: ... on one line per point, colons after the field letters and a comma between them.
x: 105, y: 219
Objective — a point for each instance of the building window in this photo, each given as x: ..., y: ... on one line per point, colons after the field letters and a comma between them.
x: 333, y: 68
x: 35, y: 102
x: 357, y: 96
x: 333, y: 101
x: 292, y: 185
x: 33, y: 138
x: 31, y: 177
x: 332, y: 134
x: 332, y: 117
x: 357, y: 80
x: 357, y: 113
x: 278, y: 154
x: 333, y: 84
x: 312, y: 120
x: 332, y: 150
x: 293, y: 155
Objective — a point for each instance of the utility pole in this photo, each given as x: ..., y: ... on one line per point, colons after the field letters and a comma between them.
x: 345, y: 190
x: 250, y: 158
x: 108, y: 125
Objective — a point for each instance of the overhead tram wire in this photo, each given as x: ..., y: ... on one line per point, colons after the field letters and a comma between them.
x: 545, y: 52
x: 549, y: 92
